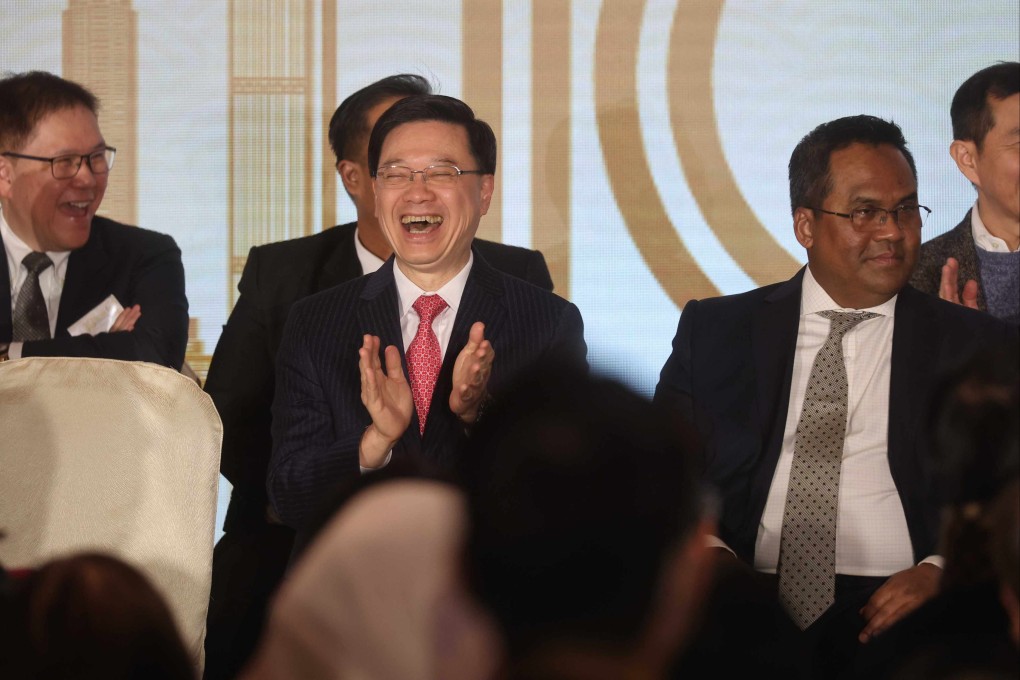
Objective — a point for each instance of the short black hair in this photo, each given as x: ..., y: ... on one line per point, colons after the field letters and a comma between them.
x: 436, y: 107
x: 27, y: 98
x: 810, y: 180
x: 970, y: 110
x: 348, y: 125
x: 579, y: 491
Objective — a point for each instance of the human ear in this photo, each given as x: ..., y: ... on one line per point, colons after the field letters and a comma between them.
x: 965, y: 154
x: 804, y: 226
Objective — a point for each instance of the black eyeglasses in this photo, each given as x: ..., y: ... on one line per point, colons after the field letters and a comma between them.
x: 65, y: 167
x: 871, y: 218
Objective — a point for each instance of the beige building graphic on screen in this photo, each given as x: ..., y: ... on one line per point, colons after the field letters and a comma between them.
x: 270, y: 155
x: 100, y: 50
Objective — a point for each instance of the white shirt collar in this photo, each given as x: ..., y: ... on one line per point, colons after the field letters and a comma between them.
x: 370, y: 262
x: 18, y: 249
x: 452, y: 291
x: 814, y: 299
x: 982, y: 237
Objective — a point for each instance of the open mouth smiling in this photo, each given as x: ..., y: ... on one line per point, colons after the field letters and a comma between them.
x: 421, y: 224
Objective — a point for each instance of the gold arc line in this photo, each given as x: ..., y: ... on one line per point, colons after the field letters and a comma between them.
x: 550, y: 139
x: 700, y: 150
x: 619, y: 127
x: 482, y: 71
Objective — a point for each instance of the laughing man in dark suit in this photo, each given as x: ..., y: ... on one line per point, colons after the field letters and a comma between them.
x: 250, y: 558
x: 54, y: 168
x: 740, y: 372
x: 343, y: 399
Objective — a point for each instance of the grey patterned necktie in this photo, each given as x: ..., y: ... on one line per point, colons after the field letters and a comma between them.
x: 807, y: 548
x: 30, y: 319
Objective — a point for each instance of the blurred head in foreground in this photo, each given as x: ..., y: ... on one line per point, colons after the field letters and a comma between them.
x: 585, y: 538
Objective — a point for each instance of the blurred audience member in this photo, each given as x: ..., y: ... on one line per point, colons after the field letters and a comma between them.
x: 975, y: 432
x: 89, y: 617
x: 585, y: 539
x: 977, y: 263
x: 1005, y: 540
x: 376, y: 596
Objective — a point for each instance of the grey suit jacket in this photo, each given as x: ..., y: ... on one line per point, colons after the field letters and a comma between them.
x: 959, y: 243
x: 318, y: 417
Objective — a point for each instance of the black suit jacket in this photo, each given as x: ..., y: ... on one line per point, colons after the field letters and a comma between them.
x: 730, y: 374
x: 241, y: 377
x: 136, y: 265
x: 959, y: 243
x: 318, y: 417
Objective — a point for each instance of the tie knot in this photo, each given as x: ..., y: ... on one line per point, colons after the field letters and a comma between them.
x: 844, y: 321
x: 36, y: 262
x: 428, y: 307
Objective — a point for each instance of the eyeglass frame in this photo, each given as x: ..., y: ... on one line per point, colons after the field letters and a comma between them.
x: 895, y: 212
x: 424, y: 172
x: 83, y: 157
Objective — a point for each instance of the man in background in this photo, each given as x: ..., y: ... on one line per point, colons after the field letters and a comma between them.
x: 977, y: 263
x: 79, y: 285
x: 250, y: 559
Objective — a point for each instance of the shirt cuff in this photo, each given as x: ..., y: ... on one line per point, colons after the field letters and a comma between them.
x: 935, y: 560
x: 716, y: 542
x: 365, y: 469
x: 14, y: 350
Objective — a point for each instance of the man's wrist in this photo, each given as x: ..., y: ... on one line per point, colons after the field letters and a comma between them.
x: 373, y: 448
x: 4, y: 355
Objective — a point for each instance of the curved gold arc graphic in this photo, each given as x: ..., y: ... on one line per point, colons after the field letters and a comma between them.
x: 619, y: 128
x: 699, y: 147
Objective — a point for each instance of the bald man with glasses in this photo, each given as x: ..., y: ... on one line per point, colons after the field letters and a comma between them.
x: 79, y: 285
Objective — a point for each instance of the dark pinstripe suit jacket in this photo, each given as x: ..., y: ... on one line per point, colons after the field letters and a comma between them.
x: 318, y: 417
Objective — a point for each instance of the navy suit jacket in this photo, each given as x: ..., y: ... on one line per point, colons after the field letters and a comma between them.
x: 730, y: 374
x: 136, y: 265
x: 241, y: 377
x: 318, y: 417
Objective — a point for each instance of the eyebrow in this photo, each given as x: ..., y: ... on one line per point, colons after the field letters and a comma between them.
x: 874, y: 201
x: 434, y: 161
x: 70, y: 152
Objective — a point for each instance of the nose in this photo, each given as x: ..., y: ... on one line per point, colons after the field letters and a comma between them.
x: 418, y: 190
x: 888, y: 228
x: 84, y: 177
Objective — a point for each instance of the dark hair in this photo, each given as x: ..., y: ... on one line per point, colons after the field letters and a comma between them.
x: 810, y: 180
x: 974, y: 425
x: 436, y: 107
x: 349, y: 125
x: 578, y: 492
x: 93, y: 616
x: 27, y: 98
x: 970, y: 110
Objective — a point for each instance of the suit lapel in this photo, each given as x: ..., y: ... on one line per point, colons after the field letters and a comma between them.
x: 82, y: 278
x: 773, y: 345
x: 6, y: 324
x: 913, y: 354
x: 342, y: 263
x: 482, y: 301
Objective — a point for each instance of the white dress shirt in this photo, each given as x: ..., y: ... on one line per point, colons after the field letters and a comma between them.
x: 407, y: 292
x: 872, y: 538
x: 51, y: 280
x: 370, y: 262
x: 983, y: 238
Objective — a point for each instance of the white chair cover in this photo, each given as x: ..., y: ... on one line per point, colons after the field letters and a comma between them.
x: 117, y: 457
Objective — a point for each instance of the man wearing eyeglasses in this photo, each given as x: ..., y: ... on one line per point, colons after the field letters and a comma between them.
x: 437, y: 310
x: 62, y: 263
x: 809, y: 396
x: 250, y: 559
x: 977, y: 263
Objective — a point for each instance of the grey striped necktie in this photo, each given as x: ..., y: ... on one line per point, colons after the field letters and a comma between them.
x: 31, y: 320
x: 807, y: 547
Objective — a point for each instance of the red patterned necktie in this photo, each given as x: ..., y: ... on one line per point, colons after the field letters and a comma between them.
x: 424, y: 358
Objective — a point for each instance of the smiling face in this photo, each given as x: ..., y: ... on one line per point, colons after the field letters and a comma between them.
x: 861, y: 270
x: 995, y: 169
x: 431, y: 227
x: 51, y: 214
